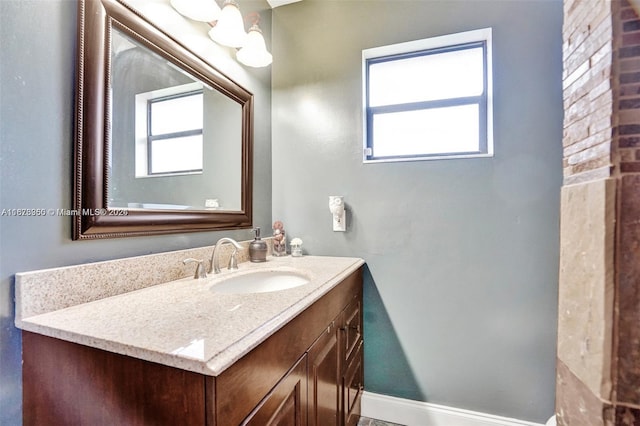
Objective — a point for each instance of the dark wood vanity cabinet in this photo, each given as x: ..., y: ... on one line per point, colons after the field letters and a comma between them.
x: 310, y: 372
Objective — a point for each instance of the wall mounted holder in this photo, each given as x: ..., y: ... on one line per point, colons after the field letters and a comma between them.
x: 336, y: 206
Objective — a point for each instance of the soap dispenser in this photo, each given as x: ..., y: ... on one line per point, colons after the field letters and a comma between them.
x: 257, y: 248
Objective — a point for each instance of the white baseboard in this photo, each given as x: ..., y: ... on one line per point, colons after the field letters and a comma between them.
x: 416, y: 413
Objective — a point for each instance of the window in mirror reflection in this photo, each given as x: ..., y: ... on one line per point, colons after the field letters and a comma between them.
x: 169, y: 135
x: 139, y: 175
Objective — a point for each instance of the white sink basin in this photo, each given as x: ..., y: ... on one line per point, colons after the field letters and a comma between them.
x: 260, y: 282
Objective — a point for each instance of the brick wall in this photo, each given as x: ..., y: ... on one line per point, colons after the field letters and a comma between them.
x: 599, y: 358
x: 587, y: 93
x: 627, y: 30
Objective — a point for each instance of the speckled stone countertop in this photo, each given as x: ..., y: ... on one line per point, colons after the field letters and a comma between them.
x: 184, y: 324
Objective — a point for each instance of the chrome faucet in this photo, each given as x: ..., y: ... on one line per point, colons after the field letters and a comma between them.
x: 215, y: 256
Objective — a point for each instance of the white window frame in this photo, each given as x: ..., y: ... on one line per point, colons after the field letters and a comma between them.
x: 401, y: 49
x: 142, y: 128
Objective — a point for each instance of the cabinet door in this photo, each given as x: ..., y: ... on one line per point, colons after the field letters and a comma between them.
x: 324, y: 379
x: 286, y: 404
x: 352, y: 386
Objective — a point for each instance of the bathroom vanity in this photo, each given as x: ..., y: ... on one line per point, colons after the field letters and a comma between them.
x: 184, y: 354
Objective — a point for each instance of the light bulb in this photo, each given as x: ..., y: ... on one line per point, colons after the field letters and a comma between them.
x: 254, y: 52
x: 229, y: 30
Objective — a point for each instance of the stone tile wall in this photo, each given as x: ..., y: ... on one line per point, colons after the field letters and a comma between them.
x: 585, y: 302
x: 599, y: 296
x: 588, y: 98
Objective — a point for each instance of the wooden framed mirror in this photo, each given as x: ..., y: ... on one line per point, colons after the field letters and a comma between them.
x: 144, y: 163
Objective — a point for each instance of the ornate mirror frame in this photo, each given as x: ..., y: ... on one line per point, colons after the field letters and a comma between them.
x: 93, y: 218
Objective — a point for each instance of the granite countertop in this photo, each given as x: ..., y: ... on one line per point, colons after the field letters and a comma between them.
x: 185, y: 324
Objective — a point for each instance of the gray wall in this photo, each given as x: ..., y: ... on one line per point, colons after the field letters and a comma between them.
x: 36, y: 163
x: 462, y: 255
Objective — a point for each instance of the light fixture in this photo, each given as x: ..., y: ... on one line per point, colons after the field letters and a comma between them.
x: 198, y: 10
x: 229, y: 30
x: 254, y: 51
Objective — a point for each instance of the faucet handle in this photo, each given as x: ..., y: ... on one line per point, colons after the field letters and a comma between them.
x: 233, y: 262
x: 201, y: 272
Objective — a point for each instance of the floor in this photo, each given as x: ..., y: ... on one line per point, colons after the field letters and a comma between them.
x: 365, y: 421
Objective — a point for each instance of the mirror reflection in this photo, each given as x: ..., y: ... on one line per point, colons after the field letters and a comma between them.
x: 176, y: 144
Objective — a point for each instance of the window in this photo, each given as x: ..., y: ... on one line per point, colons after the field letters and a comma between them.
x: 428, y: 99
x: 169, y: 131
x: 175, y: 133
